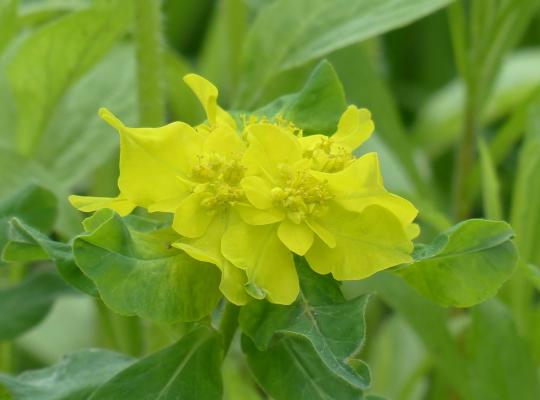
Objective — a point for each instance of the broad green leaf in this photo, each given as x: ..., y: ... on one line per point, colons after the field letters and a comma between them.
x: 24, y: 305
x: 8, y: 21
x: 74, y: 377
x: 465, y: 265
x: 189, y: 369
x: 64, y: 50
x: 32, y: 204
x: 76, y: 140
x: 140, y: 273
x: 500, y: 364
x: 439, y: 122
x: 490, y: 184
x: 525, y: 211
x: 287, y: 34
x: 26, y: 244
x: 317, y: 107
x: 317, y: 337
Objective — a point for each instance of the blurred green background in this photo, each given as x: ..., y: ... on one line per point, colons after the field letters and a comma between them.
x: 441, y: 82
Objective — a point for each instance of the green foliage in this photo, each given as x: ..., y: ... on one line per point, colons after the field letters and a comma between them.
x: 24, y: 305
x: 189, y: 369
x: 138, y: 272
x: 313, y: 341
x: 465, y: 265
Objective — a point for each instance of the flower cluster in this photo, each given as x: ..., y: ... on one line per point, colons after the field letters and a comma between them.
x: 247, y: 195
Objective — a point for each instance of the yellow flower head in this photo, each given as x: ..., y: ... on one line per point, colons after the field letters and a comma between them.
x: 246, y: 198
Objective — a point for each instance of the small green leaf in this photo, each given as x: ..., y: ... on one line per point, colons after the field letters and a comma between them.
x: 316, y: 337
x: 287, y: 34
x: 140, y: 273
x: 32, y: 204
x: 189, y: 369
x: 317, y: 107
x: 465, y: 265
x: 74, y: 377
x: 24, y: 305
x: 27, y: 244
x: 500, y: 364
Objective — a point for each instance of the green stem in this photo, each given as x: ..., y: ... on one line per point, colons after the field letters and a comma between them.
x: 228, y: 324
x: 148, y: 40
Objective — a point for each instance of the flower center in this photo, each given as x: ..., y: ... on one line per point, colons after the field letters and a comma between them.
x: 302, y: 195
x: 328, y: 156
x: 219, y: 178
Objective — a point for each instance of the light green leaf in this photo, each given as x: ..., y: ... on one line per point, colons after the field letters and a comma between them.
x: 439, y: 122
x: 465, y: 265
x: 32, y: 204
x: 26, y: 304
x: 317, y: 337
x: 64, y: 50
x: 490, y: 184
x: 500, y: 365
x: 27, y: 244
x: 74, y: 377
x: 8, y: 21
x: 189, y: 369
x: 317, y: 107
x: 287, y: 34
x: 525, y: 211
x: 140, y: 273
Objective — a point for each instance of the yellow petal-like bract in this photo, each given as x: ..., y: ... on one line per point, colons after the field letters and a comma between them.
x: 248, y: 196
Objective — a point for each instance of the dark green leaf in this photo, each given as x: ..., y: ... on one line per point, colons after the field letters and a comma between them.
x: 465, y: 265
x: 500, y: 363
x: 26, y: 244
x: 74, y: 377
x: 317, y: 107
x: 139, y: 273
x: 189, y: 369
x: 317, y: 337
x: 26, y: 304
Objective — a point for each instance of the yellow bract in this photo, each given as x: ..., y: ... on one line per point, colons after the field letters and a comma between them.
x: 246, y: 198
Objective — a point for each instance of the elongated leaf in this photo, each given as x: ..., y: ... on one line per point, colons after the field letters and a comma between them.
x: 32, y: 204
x: 287, y: 34
x: 64, y: 50
x: 490, y: 184
x: 317, y: 107
x: 321, y: 329
x: 500, y: 363
x: 189, y: 369
x: 465, y: 265
x: 26, y: 244
x: 26, y: 304
x: 140, y: 273
x: 72, y: 378
x: 517, y: 81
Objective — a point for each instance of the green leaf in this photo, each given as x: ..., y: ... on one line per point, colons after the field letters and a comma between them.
x: 32, y: 204
x: 64, y: 49
x: 8, y: 21
x: 516, y: 82
x: 27, y: 244
x: 140, y: 273
x: 310, y: 344
x: 24, y: 305
x: 317, y: 107
x: 500, y: 364
x: 189, y: 369
x: 287, y: 34
x: 490, y: 184
x: 74, y: 377
x: 465, y: 265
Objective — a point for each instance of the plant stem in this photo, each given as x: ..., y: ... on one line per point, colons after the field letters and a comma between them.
x: 228, y: 324
x: 147, y: 18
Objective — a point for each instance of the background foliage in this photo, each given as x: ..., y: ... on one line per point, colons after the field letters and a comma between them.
x: 454, y: 91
